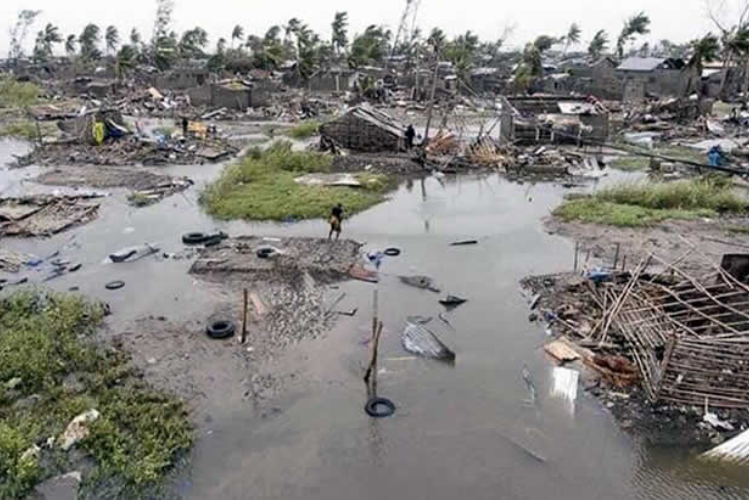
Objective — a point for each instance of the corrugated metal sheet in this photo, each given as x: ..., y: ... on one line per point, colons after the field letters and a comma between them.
x: 641, y: 64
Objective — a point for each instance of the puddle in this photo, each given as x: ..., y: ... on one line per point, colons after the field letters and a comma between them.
x: 459, y: 430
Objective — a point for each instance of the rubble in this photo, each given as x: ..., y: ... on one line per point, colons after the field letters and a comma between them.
x: 44, y: 215
x: 78, y: 429
x: 667, y: 338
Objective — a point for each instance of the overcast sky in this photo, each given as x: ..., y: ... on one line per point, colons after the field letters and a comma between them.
x: 676, y: 20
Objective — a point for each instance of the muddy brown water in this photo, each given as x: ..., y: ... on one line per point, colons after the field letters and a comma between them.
x: 462, y: 430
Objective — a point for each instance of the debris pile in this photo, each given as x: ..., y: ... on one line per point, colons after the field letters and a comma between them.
x: 44, y: 215
x: 681, y: 340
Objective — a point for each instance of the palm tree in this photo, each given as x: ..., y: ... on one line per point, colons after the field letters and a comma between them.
x: 639, y: 24
x: 291, y: 28
x: 706, y: 49
x: 340, y: 32
x: 112, y: 38
x: 572, y: 37
x: 599, y: 44
x: 70, y: 45
x: 89, y: 41
x: 221, y: 46
x: 45, y: 40
x: 236, y: 34
x: 135, y: 38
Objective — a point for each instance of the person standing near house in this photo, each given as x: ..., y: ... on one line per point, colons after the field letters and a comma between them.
x: 410, y: 135
x: 336, y: 218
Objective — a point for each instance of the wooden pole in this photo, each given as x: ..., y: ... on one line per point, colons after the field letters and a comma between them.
x: 577, y: 249
x: 244, y: 317
x: 375, y: 349
x: 430, y: 110
x: 616, y: 255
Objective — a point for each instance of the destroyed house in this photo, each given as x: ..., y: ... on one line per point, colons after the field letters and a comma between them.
x: 364, y: 128
x: 643, y: 76
x: 690, y: 339
x: 332, y: 80
x: 552, y: 120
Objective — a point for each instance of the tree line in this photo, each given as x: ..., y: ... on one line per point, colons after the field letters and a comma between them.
x: 307, y: 51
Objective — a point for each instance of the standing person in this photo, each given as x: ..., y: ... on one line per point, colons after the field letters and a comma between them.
x: 410, y: 135
x: 336, y: 217
x: 185, y: 124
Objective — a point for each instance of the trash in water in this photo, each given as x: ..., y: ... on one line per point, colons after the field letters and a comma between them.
x: 419, y: 320
x: 714, y: 421
x: 418, y: 340
x: 445, y: 320
x: 133, y: 253
x: 453, y: 301
x: 565, y: 383
x: 464, y: 243
x: 423, y: 282
x: 735, y: 450
x: 352, y: 312
x: 531, y: 387
x: 561, y: 351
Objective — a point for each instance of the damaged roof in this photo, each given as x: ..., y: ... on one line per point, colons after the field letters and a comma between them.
x: 646, y: 64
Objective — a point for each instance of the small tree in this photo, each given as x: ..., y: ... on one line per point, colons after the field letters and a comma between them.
x: 111, y: 38
x: 236, y: 34
x: 339, y: 40
x: 70, y: 44
x: 599, y: 44
x: 193, y: 43
x: 706, y: 49
x: 637, y: 25
x: 572, y: 37
x: 19, y: 32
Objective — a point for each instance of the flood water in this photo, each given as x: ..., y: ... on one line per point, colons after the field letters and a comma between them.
x: 463, y: 430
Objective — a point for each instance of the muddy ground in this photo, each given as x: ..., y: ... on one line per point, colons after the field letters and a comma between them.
x: 292, y: 297
x: 695, y: 243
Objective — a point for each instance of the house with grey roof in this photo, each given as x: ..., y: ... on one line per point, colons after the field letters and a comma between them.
x: 653, y: 76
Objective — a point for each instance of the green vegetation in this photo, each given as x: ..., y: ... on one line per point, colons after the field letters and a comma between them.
x: 678, y: 153
x: 262, y: 187
x: 737, y: 229
x: 141, y: 200
x: 304, y: 130
x: 26, y: 129
x: 140, y: 434
x: 15, y: 94
x: 642, y: 204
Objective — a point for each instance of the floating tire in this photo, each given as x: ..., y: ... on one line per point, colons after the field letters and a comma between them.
x: 194, y: 238
x: 114, y: 285
x: 379, y: 408
x: 392, y: 252
x: 220, y: 329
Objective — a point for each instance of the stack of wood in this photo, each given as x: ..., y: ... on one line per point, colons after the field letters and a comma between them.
x: 486, y: 153
x: 443, y: 143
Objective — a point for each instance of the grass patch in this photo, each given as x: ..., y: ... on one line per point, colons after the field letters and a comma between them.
x: 140, y: 200
x: 635, y: 163
x: 630, y: 163
x: 304, y: 130
x: 642, y: 204
x: 15, y: 94
x: 737, y: 229
x: 141, y: 433
x: 262, y: 187
x: 26, y: 129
